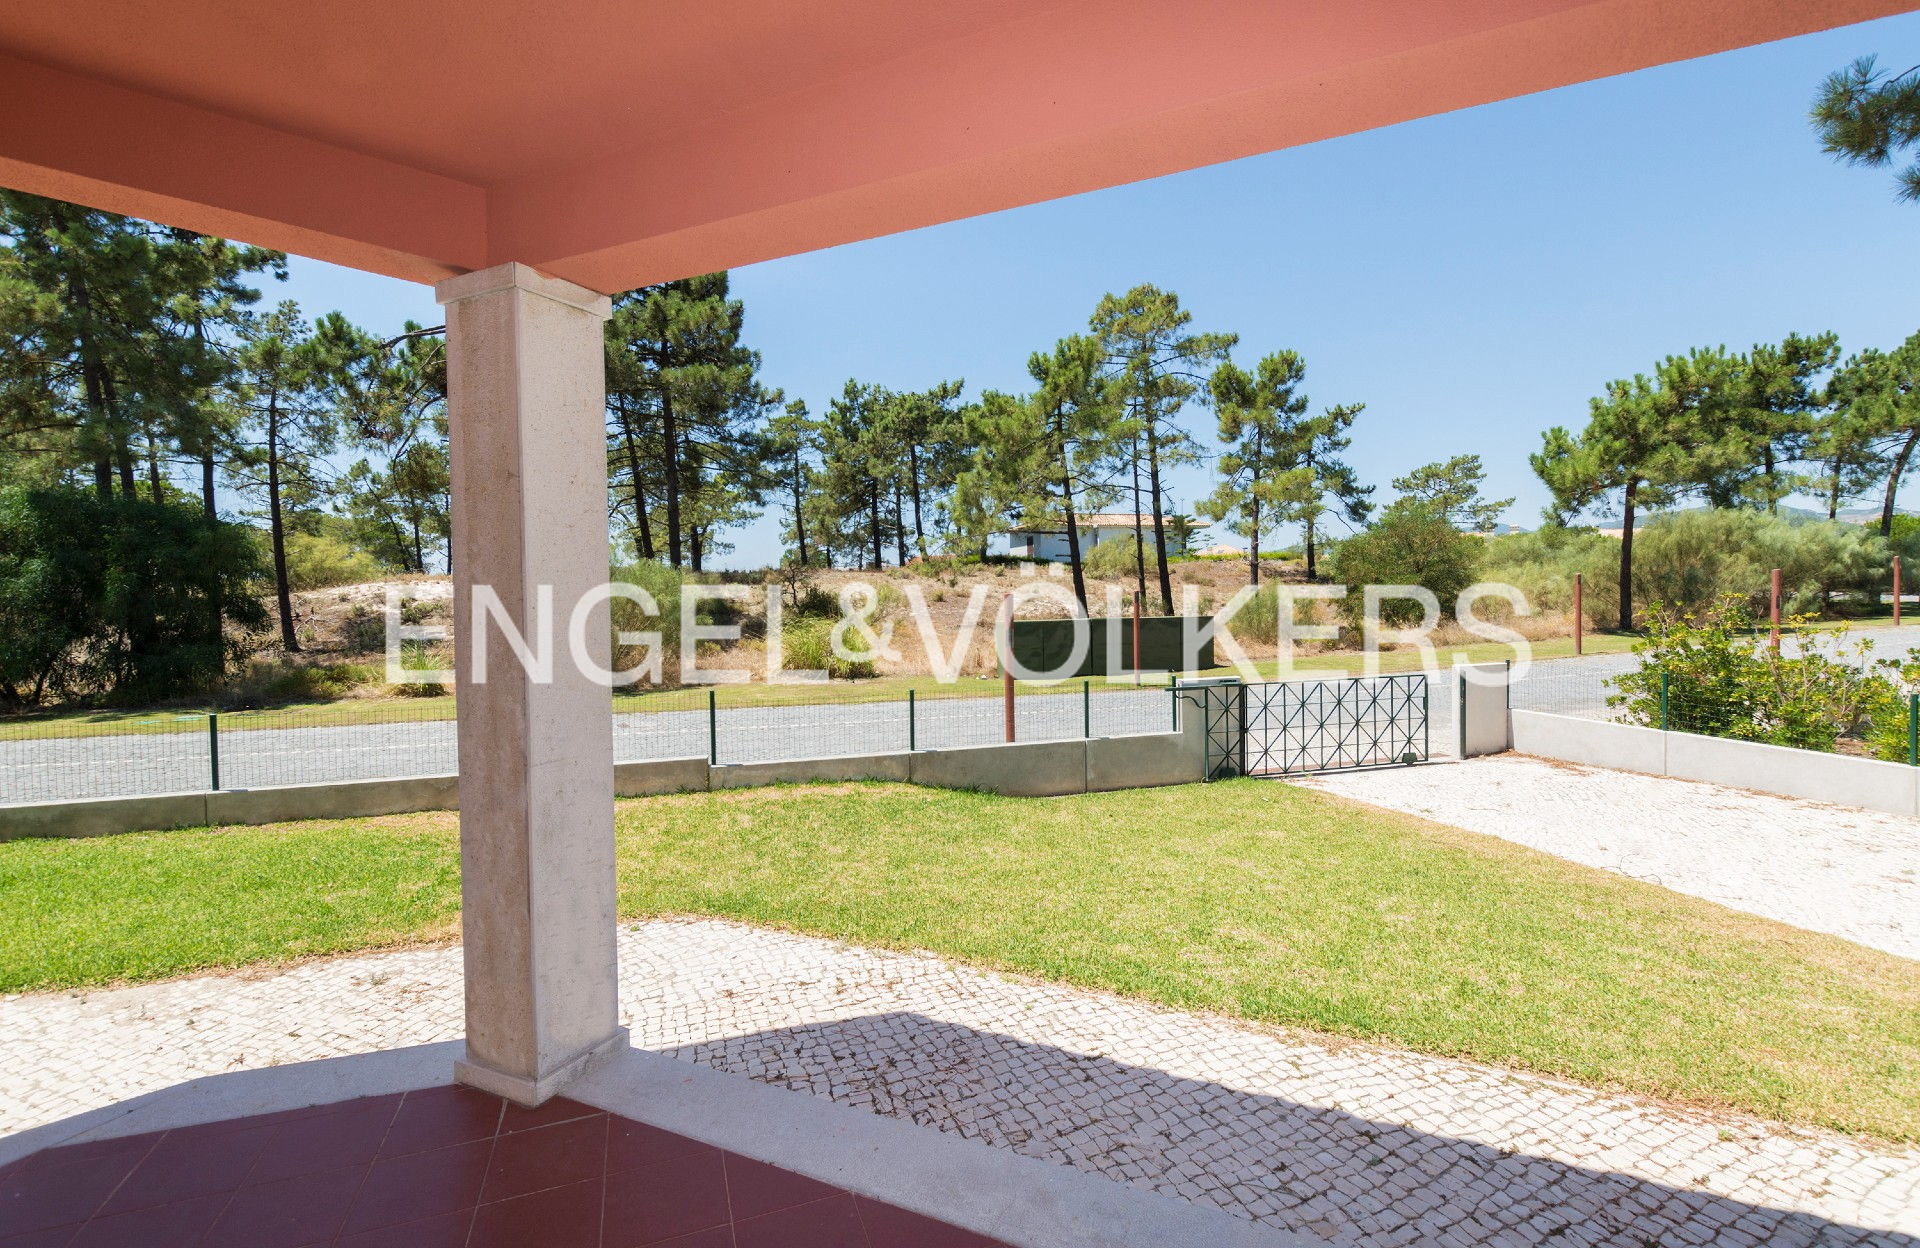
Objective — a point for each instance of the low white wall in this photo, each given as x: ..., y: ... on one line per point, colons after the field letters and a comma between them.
x: 1019, y: 769
x: 1595, y: 742
x: 1480, y: 709
x: 1809, y: 774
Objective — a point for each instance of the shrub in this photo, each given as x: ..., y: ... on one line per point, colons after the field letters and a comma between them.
x: 1113, y: 559
x: 1542, y: 565
x: 318, y: 561
x: 1706, y: 673
x: 807, y: 646
x: 1691, y: 560
x: 1411, y: 544
x: 115, y: 598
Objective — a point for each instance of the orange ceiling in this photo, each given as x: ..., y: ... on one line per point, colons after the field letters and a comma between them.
x: 617, y: 143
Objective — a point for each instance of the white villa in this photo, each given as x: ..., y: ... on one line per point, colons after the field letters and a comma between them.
x: 1050, y: 544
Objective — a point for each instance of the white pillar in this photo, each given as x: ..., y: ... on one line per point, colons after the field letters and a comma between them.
x: 527, y: 400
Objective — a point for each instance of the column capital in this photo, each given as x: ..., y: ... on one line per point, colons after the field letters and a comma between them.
x: 516, y: 276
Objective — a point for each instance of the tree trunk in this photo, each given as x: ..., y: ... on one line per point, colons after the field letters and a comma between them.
x: 216, y: 609
x: 642, y: 527
x: 282, y: 591
x: 93, y: 383
x: 696, y: 547
x: 1893, y: 480
x: 799, y: 515
x: 1139, y: 539
x: 919, y: 528
x: 670, y: 434
x: 1311, y: 574
x: 1626, y: 557
x: 1159, y: 524
x: 1253, y: 546
x: 1773, y: 488
x: 1073, y: 533
x: 899, y: 526
x: 873, y: 508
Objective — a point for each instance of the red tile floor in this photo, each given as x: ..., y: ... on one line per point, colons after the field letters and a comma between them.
x: 444, y: 1168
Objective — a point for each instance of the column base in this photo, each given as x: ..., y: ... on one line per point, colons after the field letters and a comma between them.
x: 534, y: 1092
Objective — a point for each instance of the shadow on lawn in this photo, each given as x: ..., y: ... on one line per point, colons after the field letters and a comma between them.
x: 1307, y: 1169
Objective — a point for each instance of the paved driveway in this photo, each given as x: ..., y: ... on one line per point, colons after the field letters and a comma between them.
x: 1853, y: 873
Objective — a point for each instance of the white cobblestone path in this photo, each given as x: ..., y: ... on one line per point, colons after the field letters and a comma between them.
x: 1852, y: 873
x: 1357, y: 1144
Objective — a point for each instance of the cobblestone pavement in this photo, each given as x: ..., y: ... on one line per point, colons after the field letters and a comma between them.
x: 1356, y: 1144
x: 1853, y: 873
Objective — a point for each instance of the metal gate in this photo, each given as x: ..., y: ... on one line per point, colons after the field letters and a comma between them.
x: 1285, y: 727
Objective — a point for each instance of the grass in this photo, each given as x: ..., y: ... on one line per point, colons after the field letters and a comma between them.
x: 1258, y: 900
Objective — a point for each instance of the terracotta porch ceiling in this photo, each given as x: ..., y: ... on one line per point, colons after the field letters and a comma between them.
x: 615, y: 143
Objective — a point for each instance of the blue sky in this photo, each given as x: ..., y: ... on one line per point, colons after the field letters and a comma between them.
x: 1473, y: 278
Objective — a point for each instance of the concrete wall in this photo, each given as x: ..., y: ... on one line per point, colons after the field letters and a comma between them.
x: 1595, y: 742
x: 1480, y: 709
x: 1022, y: 769
x: 1809, y: 774
x: 103, y: 816
x: 806, y: 770
x: 670, y: 775
x: 1815, y: 776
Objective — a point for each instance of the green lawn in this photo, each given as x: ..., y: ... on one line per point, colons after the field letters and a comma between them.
x: 1259, y: 900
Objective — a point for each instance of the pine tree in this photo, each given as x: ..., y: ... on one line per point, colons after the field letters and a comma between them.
x: 1642, y: 441
x: 1260, y: 416
x: 686, y: 412
x: 1867, y: 117
x: 1452, y: 488
x: 288, y: 423
x: 1157, y: 364
x: 1050, y: 456
x: 1320, y: 482
x: 1880, y: 394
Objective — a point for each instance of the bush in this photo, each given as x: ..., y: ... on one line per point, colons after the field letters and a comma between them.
x: 319, y: 561
x: 1411, y: 544
x: 116, y: 598
x: 807, y: 646
x: 1114, y: 559
x: 1542, y: 565
x: 1706, y: 673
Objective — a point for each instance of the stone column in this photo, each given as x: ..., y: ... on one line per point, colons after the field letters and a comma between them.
x: 527, y: 396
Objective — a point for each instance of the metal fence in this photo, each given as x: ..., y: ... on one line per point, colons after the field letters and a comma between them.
x: 127, y: 754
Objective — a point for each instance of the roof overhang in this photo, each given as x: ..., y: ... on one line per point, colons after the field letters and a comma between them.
x: 616, y: 144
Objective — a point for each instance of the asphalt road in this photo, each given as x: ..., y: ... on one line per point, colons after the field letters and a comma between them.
x: 64, y: 768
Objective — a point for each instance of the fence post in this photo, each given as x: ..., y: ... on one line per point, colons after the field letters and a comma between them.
x: 1006, y: 666
x: 1136, y: 637
x: 713, y: 727
x: 913, y: 739
x: 1086, y: 708
x: 1913, y: 730
x: 1579, y: 612
x: 213, y: 749
x: 1774, y: 592
x: 1663, y: 700
x: 1461, y: 704
x: 1426, y: 717
x: 1173, y: 707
